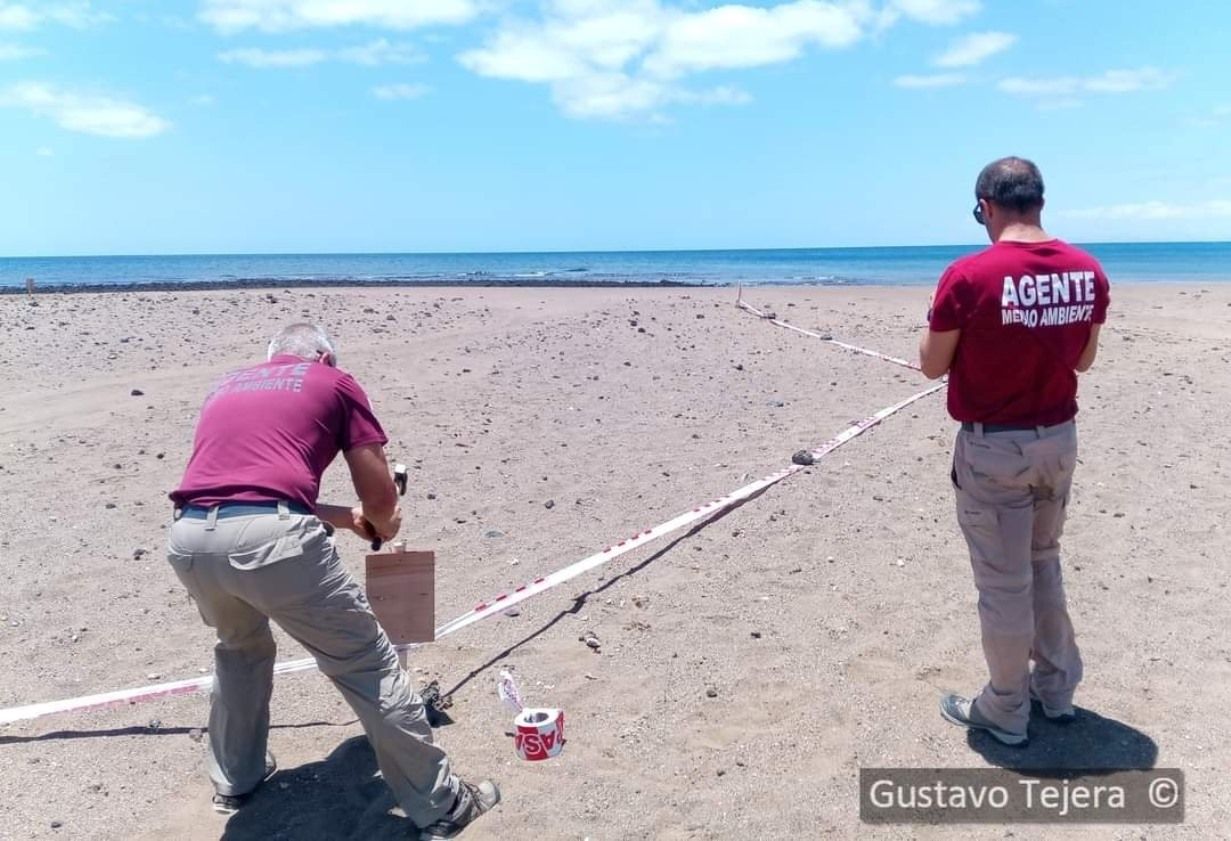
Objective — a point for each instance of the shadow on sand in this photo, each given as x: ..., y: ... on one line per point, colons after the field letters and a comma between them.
x: 340, y: 797
x: 1092, y: 743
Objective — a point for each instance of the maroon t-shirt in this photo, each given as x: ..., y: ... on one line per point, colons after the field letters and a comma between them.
x: 1025, y: 310
x: 268, y: 432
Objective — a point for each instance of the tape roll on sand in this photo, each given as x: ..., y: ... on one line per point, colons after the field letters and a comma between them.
x: 540, y: 734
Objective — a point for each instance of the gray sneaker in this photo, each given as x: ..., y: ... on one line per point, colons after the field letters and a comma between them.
x: 963, y: 712
x: 1056, y: 715
x: 472, y: 802
x: 229, y: 804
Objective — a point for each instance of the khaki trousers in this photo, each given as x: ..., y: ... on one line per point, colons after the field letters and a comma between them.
x: 1012, y: 494
x: 243, y: 571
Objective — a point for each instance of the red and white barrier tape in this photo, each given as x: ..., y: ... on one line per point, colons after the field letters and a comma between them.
x: 779, y: 322
x: 495, y: 605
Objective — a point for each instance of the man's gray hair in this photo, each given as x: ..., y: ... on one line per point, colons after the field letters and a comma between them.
x: 1013, y: 183
x: 307, y: 341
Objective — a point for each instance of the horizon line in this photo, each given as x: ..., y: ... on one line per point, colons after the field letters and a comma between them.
x: 571, y: 251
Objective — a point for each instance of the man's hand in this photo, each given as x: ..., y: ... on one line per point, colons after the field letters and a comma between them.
x: 355, y: 520
x: 383, y: 530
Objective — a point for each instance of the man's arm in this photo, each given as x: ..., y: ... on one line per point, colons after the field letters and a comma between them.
x: 341, y: 517
x: 1087, y: 356
x: 369, y: 472
x: 936, y: 352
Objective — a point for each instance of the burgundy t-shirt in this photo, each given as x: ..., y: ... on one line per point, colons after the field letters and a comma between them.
x: 1025, y: 310
x: 268, y: 432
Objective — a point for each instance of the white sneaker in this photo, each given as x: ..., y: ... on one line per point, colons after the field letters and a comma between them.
x: 963, y: 712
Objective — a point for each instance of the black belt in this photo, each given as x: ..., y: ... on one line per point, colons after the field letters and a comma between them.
x: 967, y: 426
x: 240, y: 509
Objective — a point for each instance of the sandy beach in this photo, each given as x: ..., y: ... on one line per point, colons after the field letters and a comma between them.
x: 542, y: 425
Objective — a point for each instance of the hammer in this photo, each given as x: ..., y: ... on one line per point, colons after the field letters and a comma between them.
x: 399, y: 480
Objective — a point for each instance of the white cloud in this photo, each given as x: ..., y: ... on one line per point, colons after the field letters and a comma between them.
x: 279, y: 59
x: 44, y: 152
x: 30, y: 16
x: 203, y: 99
x: 975, y: 48
x: 372, y: 54
x: 1155, y: 211
x: 76, y: 15
x: 1128, y: 81
x: 17, y: 16
x: 400, y: 90
x: 748, y: 36
x: 1110, y: 82
x: 628, y: 58
x: 19, y: 52
x: 933, y: 12
x: 86, y: 113
x: 379, y: 52
x: 282, y: 15
x: 935, y: 80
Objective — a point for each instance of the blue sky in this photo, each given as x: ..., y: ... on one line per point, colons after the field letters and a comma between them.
x: 138, y: 126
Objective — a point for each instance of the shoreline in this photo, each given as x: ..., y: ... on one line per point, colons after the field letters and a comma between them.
x: 262, y: 284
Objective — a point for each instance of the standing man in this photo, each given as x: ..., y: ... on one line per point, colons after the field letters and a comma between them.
x: 251, y: 543
x: 1012, y: 326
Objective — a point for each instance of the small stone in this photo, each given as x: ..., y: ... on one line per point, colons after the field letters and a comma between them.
x: 513, y: 612
x: 493, y: 533
x: 549, y: 504
x: 756, y: 635
x: 721, y: 772
x: 140, y: 552
x: 431, y: 496
x: 711, y: 692
x: 803, y: 457
x: 136, y: 392
x: 56, y: 824
x: 195, y: 734
x: 109, y: 505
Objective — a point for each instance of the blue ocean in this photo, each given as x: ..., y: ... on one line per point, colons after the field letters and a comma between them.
x: 1184, y: 262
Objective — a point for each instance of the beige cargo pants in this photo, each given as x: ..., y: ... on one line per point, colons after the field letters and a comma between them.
x: 245, y: 570
x: 1012, y: 495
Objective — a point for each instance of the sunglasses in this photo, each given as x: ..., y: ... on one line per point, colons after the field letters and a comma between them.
x: 978, y: 213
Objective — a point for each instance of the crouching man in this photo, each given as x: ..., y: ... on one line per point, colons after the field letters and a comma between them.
x: 251, y: 543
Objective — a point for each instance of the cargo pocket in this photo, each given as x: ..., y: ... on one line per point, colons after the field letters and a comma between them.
x: 181, y: 562
x: 281, y: 549
x: 981, y: 527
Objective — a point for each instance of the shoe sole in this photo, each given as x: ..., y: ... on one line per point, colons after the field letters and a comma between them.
x: 1007, y: 739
